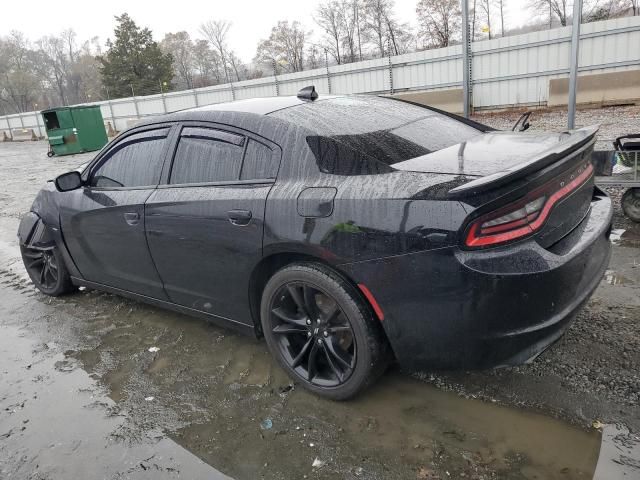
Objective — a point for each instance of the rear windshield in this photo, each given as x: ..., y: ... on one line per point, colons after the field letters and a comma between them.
x: 366, y: 135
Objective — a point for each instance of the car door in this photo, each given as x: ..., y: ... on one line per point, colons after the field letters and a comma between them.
x: 103, y: 222
x: 205, y: 226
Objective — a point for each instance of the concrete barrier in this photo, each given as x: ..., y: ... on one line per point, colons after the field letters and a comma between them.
x: 612, y: 88
x: 449, y: 99
x: 23, y: 134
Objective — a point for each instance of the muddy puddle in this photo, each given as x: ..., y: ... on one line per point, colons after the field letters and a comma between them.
x: 219, y: 396
x: 626, y: 237
x: 57, y: 423
x: 614, y: 278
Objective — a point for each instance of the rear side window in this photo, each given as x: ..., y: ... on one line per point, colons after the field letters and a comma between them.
x: 352, y: 134
x: 259, y: 162
x: 136, y: 161
x: 207, y: 155
x: 335, y: 157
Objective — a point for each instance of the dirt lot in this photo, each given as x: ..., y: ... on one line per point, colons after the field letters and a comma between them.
x: 82, y: 396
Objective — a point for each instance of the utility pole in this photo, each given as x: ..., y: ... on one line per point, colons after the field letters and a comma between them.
x: 466, y: 57
x: 573, y: 76
x: 326, y: 65
x: 275, y: 77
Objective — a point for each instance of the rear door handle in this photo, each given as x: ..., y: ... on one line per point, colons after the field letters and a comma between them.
x: 132, y: 218
x: 239, y: 217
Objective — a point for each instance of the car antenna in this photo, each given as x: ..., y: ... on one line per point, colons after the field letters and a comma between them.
x: 308, y: 93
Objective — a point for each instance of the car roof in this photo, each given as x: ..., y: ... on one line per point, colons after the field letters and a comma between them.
x: 259, y: 106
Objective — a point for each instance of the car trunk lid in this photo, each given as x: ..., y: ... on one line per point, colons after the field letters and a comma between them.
x: 518, y: 184
x: 498, y: 157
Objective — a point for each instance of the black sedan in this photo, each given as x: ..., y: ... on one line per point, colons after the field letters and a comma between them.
x: 349, y: 231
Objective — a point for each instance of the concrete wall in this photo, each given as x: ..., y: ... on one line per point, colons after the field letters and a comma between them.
x: 599, y: 88
x: 446, y: 99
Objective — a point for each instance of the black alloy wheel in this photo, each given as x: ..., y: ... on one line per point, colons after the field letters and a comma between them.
x: 46, y: 270
x: 313, y: 334
x: 322, y: 332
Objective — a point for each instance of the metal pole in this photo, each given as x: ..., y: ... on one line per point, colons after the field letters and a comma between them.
x: 195, y: 97
x: 390, y: 67
x: 113, y: 118
x: 135, y: 102
x: 38, y: 124
x: 326, y: 64
x: 164, y: 101
x: 573, y: 76
x: 275, y: 77
x: 466, y: 57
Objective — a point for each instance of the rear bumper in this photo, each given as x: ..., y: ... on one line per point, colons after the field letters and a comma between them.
x: 450, y: 308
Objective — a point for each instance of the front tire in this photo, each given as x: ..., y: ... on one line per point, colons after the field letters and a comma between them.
x: 47, y: 270
x: 321, y: 331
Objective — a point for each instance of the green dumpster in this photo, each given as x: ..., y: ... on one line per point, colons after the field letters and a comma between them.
x: 74, y: 129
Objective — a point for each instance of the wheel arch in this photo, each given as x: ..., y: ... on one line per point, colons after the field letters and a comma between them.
x: 270, y: 264
x: 35, y: 232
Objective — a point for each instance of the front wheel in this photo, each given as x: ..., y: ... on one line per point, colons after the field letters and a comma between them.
x: 631, y: 204
x: 321, y: 331
x: 47, y: 270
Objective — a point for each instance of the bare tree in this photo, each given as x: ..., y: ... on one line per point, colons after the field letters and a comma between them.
x: 87, y: 69
x: 351, y: 27
x: 501, y: 5
x: 216, y: 32
x: 285, y: 46
x: 19, y: 83
x: 557, y: 9
x: 207, y: 64
x: 473, y: 23
x: 485, y: 7
x: 329, y: 17
x: 375, y: 21
x: 400, y: 38
x: 238, y: 68
x: 180, y: 46
x: 384, y: 29
x: 439, y: 20
x: 315, y: 57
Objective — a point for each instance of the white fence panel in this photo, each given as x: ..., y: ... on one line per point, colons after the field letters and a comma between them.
x: 368, y: 76
x: 180, y: 101
x: 150, y: 105
x: 216, y: 94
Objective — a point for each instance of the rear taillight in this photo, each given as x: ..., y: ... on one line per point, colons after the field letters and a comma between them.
x: 527, y: 215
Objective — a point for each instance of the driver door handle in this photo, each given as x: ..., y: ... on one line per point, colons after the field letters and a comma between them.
x: 132, y: 218
x: 239, y: 217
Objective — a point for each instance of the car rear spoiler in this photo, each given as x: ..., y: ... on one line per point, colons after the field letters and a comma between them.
x: 577, y: 142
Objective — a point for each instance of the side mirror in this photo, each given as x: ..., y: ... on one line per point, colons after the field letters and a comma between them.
x: 68, y: 181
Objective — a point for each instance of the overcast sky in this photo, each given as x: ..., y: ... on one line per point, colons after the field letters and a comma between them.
x: 252, y: 19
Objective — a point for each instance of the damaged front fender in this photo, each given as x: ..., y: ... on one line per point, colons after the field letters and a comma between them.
x: 33, y: 233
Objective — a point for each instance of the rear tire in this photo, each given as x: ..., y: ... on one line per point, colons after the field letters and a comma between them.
x: 631, y: 204
x: 47, y: 270
x: 321, y: 331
